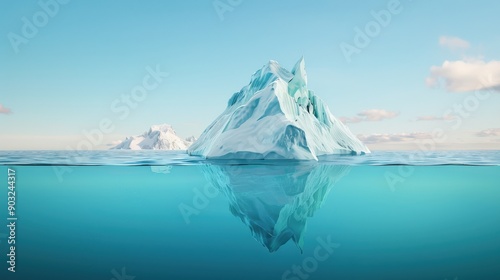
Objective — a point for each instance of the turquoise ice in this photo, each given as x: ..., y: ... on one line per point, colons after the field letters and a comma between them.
x: 276, y: 117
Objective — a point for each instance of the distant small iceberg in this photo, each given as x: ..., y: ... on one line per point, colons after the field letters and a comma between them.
x: 158, y: 137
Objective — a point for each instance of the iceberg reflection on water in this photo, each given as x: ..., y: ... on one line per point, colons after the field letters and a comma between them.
x: 275, y: 201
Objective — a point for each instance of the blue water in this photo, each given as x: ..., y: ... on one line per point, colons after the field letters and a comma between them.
x: 165, y: 215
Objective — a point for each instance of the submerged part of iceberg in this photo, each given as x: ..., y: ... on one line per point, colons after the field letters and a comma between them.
x: 276, y: 117
x: 275, y: 201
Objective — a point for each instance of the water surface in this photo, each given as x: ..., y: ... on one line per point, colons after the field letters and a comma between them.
x: 165, y: 215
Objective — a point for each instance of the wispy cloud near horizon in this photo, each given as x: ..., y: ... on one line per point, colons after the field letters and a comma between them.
x: 435, y: 118
x: 4, y: 110
x: 372, y: 115
x: 492, y: 132
x: 394, y: 137
x: 453, y: 43
x: 114, y: 143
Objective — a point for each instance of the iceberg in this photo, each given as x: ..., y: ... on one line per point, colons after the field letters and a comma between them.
x: 275, y: 201
x: 158, y: 137
x: 276, y: 117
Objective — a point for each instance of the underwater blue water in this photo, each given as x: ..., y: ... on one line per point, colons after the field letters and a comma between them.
x: 165, y: 215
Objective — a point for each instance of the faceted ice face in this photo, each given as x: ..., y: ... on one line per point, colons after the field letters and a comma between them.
x: 276, y: 117
x: 275, y: 201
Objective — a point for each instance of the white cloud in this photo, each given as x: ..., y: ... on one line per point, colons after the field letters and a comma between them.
x: 372, y: 115
x: 453, y: 43
x: 396, y: 137
x: 4, y: 110
x: 350, y: 120
x: 489, y: 132
x: 469, y: 75
x: 114, y: 143
x: 436, y: 118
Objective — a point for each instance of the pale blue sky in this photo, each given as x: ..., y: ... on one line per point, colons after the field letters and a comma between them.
x: 89, y: 53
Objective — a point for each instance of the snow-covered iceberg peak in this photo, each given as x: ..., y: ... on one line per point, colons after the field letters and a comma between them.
x: 158, y: 137
x: 166, y: 128
x: 276, y: 117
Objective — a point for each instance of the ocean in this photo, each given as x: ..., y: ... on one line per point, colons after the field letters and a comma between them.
x: 125, y: 215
